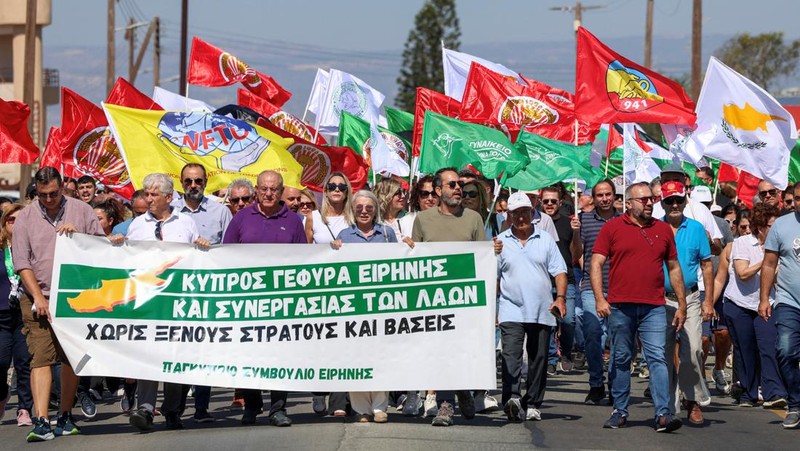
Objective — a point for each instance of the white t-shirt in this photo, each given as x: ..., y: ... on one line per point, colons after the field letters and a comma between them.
x: 402, y: 226
x: 745, y: 293
x: 325, y: 234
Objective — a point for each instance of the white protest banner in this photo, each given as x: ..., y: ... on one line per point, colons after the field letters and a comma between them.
x: 287, y: 317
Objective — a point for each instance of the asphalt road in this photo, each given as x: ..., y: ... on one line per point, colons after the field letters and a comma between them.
x: 566, y: 424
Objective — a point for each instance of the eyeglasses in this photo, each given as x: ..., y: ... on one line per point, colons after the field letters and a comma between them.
x: 268, y: 189
x: 644, y: 234
x: 309, y: 205
x: 772, y: 192
x: 470, y: 194
x: 744, y: 226
x: 236, y: 200
x: 452, y: 184
x: 400, y: 193
x: 197, y: 181
x: 159, y: 237
x: 674, y: 200
x: 646, y: 200
x: 53, y: 195
x: 550, y: 201
x: 689, y: 187
x: 367, y: 208
x: 424, y: 194
x: 729, y: 221
x: 334, y: 186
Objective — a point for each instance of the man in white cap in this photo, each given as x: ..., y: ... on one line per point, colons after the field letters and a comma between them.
x: 526, y: 308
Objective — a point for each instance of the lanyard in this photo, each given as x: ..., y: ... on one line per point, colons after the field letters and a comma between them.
x: 10, y: 265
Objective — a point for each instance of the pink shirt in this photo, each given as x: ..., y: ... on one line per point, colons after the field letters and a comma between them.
x: 34, y: 240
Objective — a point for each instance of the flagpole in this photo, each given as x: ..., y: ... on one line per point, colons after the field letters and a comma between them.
x: 498, y: 187
x: 186, y: 98
x: 716, y: 187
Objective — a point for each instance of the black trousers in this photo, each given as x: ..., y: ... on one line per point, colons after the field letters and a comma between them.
x: 512, y: 336
x: 254, y: 401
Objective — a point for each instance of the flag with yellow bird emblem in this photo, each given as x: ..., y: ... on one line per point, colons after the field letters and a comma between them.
x: 741, y: 124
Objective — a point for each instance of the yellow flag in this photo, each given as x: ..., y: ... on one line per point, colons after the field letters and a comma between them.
x: 164, y: 141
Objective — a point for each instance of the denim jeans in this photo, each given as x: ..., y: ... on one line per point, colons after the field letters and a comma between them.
x: 565, y: 330
x: 649, y: 321
x: 594, y: 331
x: 13, y: 347
x: 787, y: 323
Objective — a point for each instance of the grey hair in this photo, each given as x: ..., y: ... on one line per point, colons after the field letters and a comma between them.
x: 629, y: 189
x: 161, y: 181
x: 374, y: 199
x: 242, y: 183
x: 655, y: 182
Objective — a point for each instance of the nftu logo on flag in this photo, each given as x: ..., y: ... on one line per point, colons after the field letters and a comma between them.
x: 629, y: 89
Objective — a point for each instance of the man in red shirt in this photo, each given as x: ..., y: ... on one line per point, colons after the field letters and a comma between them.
x: 637, y: 246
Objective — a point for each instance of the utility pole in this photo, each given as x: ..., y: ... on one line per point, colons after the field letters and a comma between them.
x: 157, y: 53
x: 130, y: 36
x: 142, y: 49
x: 28, y: 83
x: 184, y: 26
x: 110, y: 52
x: 697, y: 46
x: 578, y: 11
x: 648, y: 36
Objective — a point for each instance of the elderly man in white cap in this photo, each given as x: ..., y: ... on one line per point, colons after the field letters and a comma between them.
x: 526, y: 307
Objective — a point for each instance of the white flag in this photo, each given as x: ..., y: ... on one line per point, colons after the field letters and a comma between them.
x: 318, y: 90
x: 637, y: 166
x: 741, y: 124
x: 171, y: 101
x: 347, y: 92
x: 386, y: 161
x: 456, y: 68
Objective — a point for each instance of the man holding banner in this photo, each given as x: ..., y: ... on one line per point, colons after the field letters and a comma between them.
x: 266, y: 221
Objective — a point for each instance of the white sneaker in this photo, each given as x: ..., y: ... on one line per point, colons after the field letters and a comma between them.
x: 319, y: 405
x: 721, y: 380
x: 490, y: 404
x: 412, y: 404
x: 430, y: 406
x: 533, y: 414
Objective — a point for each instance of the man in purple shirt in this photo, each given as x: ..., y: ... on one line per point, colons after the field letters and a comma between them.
x: 267, y: 220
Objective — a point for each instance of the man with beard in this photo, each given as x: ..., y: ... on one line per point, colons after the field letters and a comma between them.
x: 241, y: 195
x: 637, y: 246
x: 87, y: 189
x: 212, y: 219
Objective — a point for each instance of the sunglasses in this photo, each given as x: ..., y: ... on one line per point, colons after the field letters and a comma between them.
x: 674, y: 200
x: 452, y: 184
x: 368, y: 208
x: 334, y: 186
x: 550, y: 201
x: 400, y: 193
x: 159, y: 237
x: 53, y: 195
x: 647, y: 200
x: 197, y: 181
x: 309, y: 205
x: 470, y: 194
x: 11, y: 219
x: 236, y: 200
x: 772, y: 193
x: 424, y: 194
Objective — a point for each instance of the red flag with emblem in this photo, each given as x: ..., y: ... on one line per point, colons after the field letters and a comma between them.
x: 125, y: 94
x: 16, y: 144
x: 494, y: 99
x: 53, y: 155
x: 429, y: 100
x: 611, y: 89
x: 319, y: 161
x: 212, y: 67
x: 282, y: 119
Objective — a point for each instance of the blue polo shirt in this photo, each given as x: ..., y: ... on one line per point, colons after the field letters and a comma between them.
x: 212, y: 218
x: 524, y: 273
x: 692, y: 243
x: 381, y: 233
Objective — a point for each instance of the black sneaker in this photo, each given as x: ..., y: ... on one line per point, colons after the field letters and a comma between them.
x: 791, y: 421
x: 513, y: 409
x: 616, y: 421
x: 466, y: 403
x: 41, y: 431
x: 173, y: 421
x: 596, y: 396
x: 142, y: 419
x: 249, y: 416
x: 552, y: 370
x: 88, y: 407
x: 202, y: 416
x: 668, y: 423
x: 65, y: 425
x: 280, y: 419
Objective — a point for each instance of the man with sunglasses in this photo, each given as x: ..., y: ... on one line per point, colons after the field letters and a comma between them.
x: 241, y: 194
x: 637, y: 246
x: 769, y: 194
x: 694, y: 257
x: 34, y: 243
x: 161, y: 222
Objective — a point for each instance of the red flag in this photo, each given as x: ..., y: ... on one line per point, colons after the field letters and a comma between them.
x: 727, y: 173
x: 125, y: 94
x: 747, y: 188
x: 16, y: 144
x: 319, y: 161
x: 53, y: 155
x: 282, y: 119
x: 614, y: 140
x: 87, y: 142
x: 429, y: 100
x: 210, y: 66
x: 494, y: 99
x: 611, y: 89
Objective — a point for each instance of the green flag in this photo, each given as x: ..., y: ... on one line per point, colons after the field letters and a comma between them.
x: 794, y: 163
x: 399, y: 121
x: 450, y: 142
x: 551, y: 162
x: 354, y: 133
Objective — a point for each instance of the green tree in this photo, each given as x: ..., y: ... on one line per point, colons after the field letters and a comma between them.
x: 762, y: 58
x: 435, y: 23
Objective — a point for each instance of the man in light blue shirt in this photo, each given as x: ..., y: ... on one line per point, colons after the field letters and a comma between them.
x: 782, y: 248
x: 528, y: 260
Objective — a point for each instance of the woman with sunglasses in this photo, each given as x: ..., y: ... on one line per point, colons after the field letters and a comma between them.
x: 422, y: 197
x: 393, y: 201
x: 12, y: 341
x: 473, y: 196
x: 308, y: 205
x: 336, y: 212
x: 753, y: 338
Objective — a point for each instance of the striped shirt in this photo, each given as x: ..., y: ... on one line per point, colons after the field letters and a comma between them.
x: 591, y: 223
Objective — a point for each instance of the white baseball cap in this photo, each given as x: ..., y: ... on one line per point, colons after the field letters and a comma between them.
x: 701, y: 193
x: 518, y: 200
